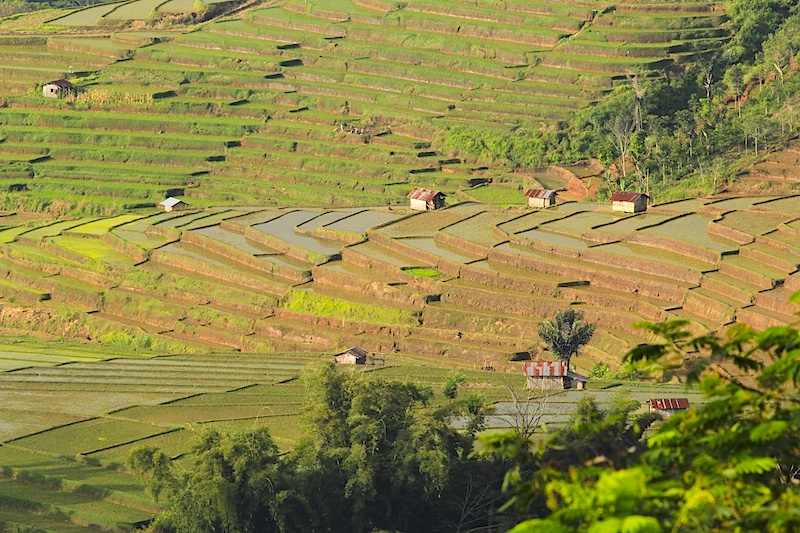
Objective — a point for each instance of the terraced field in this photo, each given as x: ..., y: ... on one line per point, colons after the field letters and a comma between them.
x: 447, y: 282
x: 234, y: 302
x: 321, y: 103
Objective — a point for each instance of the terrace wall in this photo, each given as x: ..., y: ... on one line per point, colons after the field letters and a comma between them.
x: 245, y: 259
x: 461, y: 244
x: 354, y: 283
x: 128, y: 249
x: 618, y: 281
x: 188, y: 264
x: 676, y: 246
x: 287, y: 248
x: 448, y: 267
x: 739, y: 237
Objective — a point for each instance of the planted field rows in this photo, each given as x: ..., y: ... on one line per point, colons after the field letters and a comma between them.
x: 252, y: 280
x: 305, y: 104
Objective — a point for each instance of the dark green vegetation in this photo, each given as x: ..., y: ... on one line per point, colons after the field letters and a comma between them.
x: 728, y: 466
x: 375, y: 457
x: 566, y: 334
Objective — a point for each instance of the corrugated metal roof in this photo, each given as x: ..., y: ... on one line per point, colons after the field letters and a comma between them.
x: 426, y: 195
x: 356, y: 351
x: 170, y: 202
x: 623, y: 196
x: 669, y: 403
x: 62, y: 83
x: 545, y: 368
x: 539, y: 193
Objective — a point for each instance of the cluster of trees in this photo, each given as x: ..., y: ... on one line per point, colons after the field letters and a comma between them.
x: 375, y: 457
x: 378, y: 458
x: 681, y: 131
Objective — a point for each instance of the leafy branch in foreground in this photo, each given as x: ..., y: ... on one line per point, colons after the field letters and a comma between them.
x: 728, y: 465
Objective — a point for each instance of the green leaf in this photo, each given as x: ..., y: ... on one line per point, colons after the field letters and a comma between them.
x: 771, y: 430
x: 756, y: 465
x: 609, y: 525
x: 540, y: 526
x: 640, y: 524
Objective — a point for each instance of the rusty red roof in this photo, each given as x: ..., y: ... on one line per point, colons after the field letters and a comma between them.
x: 545, y: 368
x: 426, y: 195
x: 669, y: 403
x: 539, y: 193
x: 623, y: 196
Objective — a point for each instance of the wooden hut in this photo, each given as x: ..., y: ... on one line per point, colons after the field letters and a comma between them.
x: 57, y: 89
x: 552, y: 375
x: 629, y: 202
x: 540, y: 197
x: 353, y: 356
x: 173, y: 204
x: 425, y: 199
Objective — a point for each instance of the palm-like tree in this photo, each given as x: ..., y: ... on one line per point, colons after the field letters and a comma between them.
x: 566, y: 334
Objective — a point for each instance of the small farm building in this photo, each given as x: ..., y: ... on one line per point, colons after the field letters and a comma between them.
x: 173, y: 204
x: 554, y: 375
x: 425, y: 199
x: 540, y: 197
x: 353, y: 356
x: 667, y: 407
x: 57, y: 89
x: 629, y: 202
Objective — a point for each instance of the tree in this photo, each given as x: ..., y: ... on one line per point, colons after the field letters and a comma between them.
x: 231, y: 488
x: 454, y: 379
x: 566, y: 334
x: 377, y: 456
x: 728, y: 466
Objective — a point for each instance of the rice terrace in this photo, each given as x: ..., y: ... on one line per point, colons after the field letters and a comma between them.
x: 201, y: 202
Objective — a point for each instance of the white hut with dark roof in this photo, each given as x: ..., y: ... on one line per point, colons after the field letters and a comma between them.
x: 353, y: 356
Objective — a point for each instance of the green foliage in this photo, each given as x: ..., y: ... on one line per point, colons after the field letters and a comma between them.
x: 231, y: 487
x: 729, y: 465
x: 566, y: 334
x: 375, y: 457
x: 454, y: 379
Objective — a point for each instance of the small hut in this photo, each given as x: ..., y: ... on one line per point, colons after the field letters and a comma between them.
x: 57, y: 89
x: 540, y: 197
x: 173, y: 204
x: 552, y: 375
x: 629, y: 202
x: 667, y: 407
x: 425, y: 199
x: 353, y: 356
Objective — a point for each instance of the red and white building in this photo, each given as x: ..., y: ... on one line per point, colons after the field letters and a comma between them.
x: 554, y: 375
x: 667, y: 407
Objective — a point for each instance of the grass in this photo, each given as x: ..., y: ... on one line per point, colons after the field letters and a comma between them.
x: 422, y: 272
x: 319, y: 304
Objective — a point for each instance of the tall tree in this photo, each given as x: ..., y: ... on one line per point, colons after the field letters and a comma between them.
x: 566, y: 334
